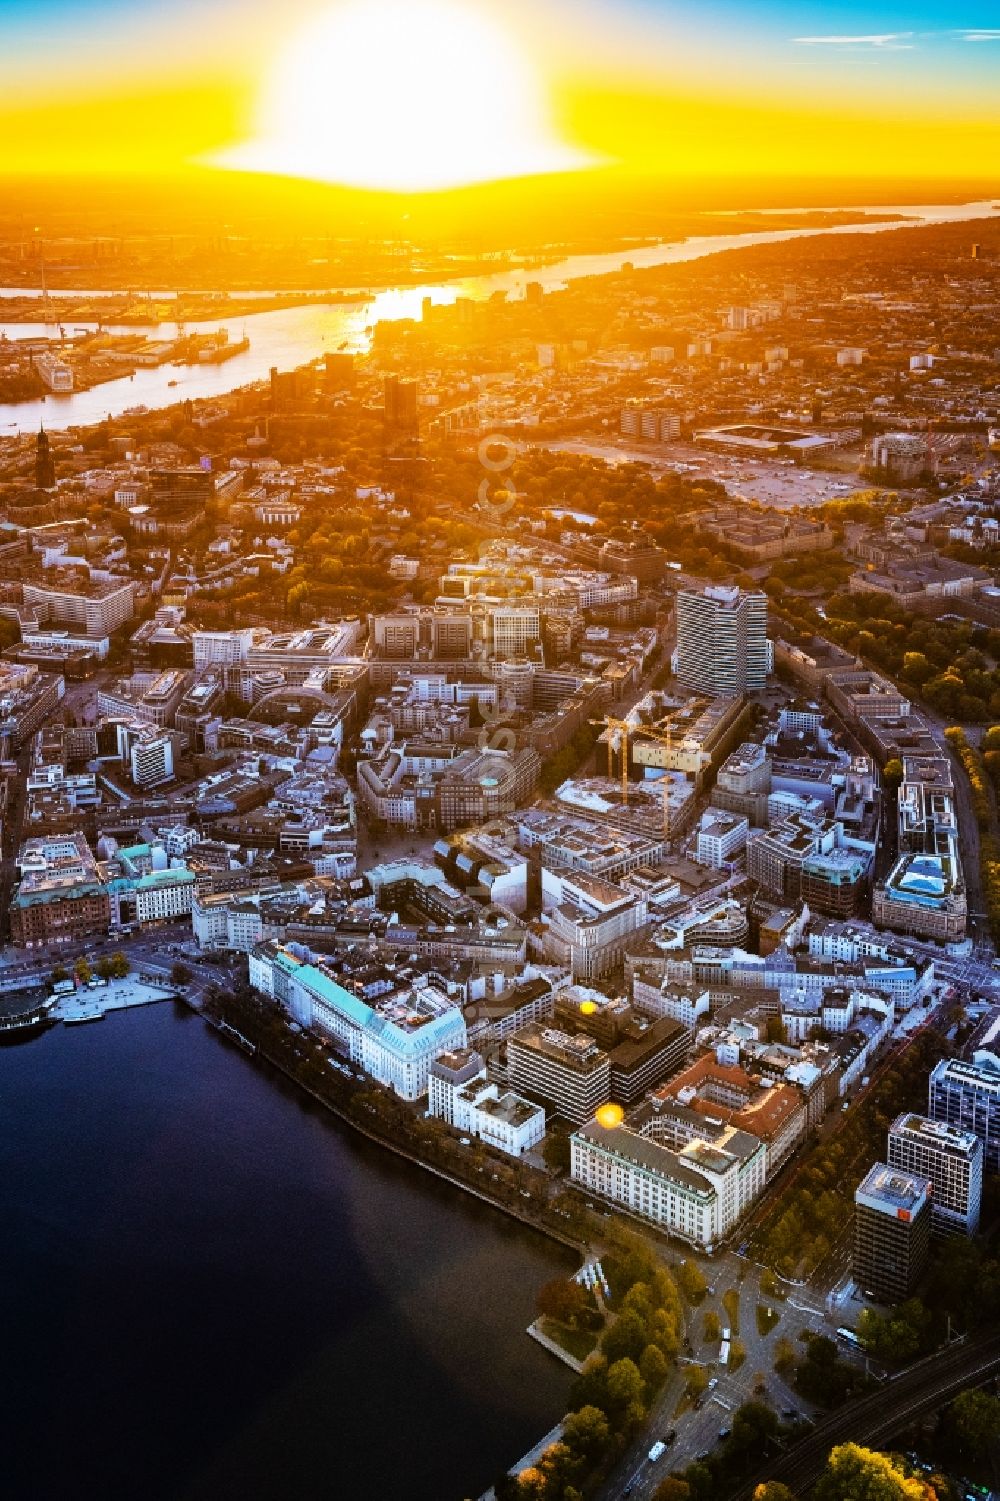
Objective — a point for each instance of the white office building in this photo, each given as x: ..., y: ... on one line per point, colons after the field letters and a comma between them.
x: 722, y: 647
x: 698, y: 1193
x: 395, y: 1041
x: 459, y: 1092
x: 722, y: 837
x: 952, y: 1159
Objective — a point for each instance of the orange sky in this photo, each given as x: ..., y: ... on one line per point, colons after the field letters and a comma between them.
x: 472, y: 90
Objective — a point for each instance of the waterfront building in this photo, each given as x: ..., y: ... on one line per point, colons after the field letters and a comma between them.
x: 60, y: 896
x: 459, y: 1092
x: 697, y: 1193
x: 395, y: 1040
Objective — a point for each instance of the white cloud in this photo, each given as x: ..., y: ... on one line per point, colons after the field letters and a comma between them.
x: 888, y: 41
x: 980, y: 34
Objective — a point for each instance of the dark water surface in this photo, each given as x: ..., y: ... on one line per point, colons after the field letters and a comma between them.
x: 210, y: 1291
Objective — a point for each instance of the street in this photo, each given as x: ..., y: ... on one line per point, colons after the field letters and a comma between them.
x: 698, y: 1429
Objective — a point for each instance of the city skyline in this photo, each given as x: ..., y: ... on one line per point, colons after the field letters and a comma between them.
x: 500, y: 749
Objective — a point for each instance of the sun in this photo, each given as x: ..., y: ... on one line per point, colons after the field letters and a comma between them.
x: 403, y: 95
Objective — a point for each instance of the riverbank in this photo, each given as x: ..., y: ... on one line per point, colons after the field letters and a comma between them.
x: 188, y: 1235
x: 123, y: 309
x: 139, y: 294
x: 294, y: 336
x: 235, y: 1035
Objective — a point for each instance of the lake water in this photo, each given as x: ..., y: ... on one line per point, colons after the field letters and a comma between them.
x: 209, y: 1291
x: 293, y: 336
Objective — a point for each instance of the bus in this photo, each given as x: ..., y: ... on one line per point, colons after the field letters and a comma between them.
x: 850, y: 1336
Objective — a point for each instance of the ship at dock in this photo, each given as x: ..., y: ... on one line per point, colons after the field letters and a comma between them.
x: 26, y: 1022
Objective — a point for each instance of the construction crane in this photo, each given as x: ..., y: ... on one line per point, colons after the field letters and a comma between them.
x: 622, y: 728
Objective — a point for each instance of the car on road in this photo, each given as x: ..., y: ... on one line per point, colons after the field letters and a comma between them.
x: 670, y: 1438
x: 658, y: 1449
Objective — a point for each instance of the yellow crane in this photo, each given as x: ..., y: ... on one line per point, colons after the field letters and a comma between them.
x: 623, y: 728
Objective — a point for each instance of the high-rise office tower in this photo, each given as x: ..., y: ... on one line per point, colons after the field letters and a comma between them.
x: 892, y: 1228
x: 952, y: 1159
x: 400, y: 404
x: 722, y: 640
x: 967, y: 1095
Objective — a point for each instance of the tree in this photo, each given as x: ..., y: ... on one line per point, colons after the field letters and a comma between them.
x: 624, y: 1384
x: 556, y: 1468
x: 672, y: 1489
x: 713, y: 1325
x: 856, y: 1474
x: 119, y: 966
x: 693, y: 1284
x: 773, y: 1490
x: 180, y: 974
x: 695, y: 1380
x: 892, y: 775
x: 899, y: 1336
x: 59, y: 973
x: 769, y: 1284
x: 626, y: 1337
x: 784, y: 1355
x: 555, y: 1150
x: 973, y: 1421
x: 753, y: 1424
x: 653, y: 1368
x: 587, y: 1434
x: 82, y: 970
x: 590, y: 1389
x: 563, y: 1300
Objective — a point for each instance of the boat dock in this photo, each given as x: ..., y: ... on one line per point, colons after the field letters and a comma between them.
x: 87, y: 1005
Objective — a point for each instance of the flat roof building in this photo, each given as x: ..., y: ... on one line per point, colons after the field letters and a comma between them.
x: 892, y: 1226
x: 570, y: 1074
x: 967, y: 1096
x: 722, y: 640
x: 953, y: 1161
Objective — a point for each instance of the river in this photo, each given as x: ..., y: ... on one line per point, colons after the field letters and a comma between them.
x: 293, y: 336
x: 211, y: 1291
